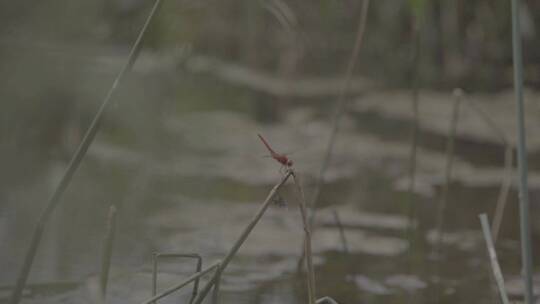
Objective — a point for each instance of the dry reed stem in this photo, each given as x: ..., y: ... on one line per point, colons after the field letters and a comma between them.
x: 524, y: 204
x: 506, y: 182
x: 502, y: 198
x: 497, y: 273
x: 446, y: 190
x: 106, y: 255
x: 450, y: 147
x: 342, y: 102
x: 413, y: 155
x: 342, y: 236
x: 215, y: 292
x: 488, y: 120
x: 307, y: 240
x: 242, y: 238
x: 340, y: 109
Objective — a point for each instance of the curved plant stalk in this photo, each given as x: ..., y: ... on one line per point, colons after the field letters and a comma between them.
x: 342, y: 102
x: 340, y: 109
x: 326, y: 300
x: 76, y: 161
x: 198, y: 268
x: 193, y: 277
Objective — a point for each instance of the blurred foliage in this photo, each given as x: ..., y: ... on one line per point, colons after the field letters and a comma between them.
x: 464, y: 42
x: 418, y: 8
x: 46, y: 47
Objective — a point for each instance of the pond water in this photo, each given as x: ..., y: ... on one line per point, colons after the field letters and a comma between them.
x: 202, y: 180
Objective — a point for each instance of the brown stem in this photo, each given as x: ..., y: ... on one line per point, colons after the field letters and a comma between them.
x: 307, y: 240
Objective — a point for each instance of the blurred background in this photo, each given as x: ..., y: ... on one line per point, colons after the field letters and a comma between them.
x: 178, y: 155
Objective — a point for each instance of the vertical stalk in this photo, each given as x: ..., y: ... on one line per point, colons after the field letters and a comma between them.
x: 108, y: 242
x: 411, y: 207
x: 76, y: 160
x: 446, y: 190
x: 154, y: 275
x: 341, y: 231
x: 502, y: 198
x: 450, y: 147
x: 307, y: 241
x: 526, y: 254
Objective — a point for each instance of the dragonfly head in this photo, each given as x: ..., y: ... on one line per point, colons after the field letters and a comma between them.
x: 289, y: 163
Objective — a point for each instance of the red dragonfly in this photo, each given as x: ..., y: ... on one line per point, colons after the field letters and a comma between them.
x: 280, y: 158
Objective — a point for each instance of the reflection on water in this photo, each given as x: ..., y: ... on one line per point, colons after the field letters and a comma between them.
x: 197, y: 194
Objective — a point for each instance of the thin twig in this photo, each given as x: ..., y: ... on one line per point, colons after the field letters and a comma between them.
x: 108, y: 242
x: 448, y: 169
x: 502, y: 198
x: 413, y: 156
x: 488, y: 120
x: 242, y: 238
x: 446, y: 190
x: 341, y: 106
x: 75, y: 162
x: 340, y: 109
x: 506, y: 182
x: 526, y: 251
x: 198, y: 268
x: 190, y: 279
x: 497, y: 273
x: 307, y: 241
x: 341, y: 231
